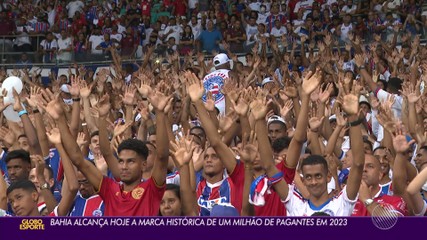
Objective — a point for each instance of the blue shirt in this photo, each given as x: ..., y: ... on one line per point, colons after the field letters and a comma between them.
x: 209, y: 40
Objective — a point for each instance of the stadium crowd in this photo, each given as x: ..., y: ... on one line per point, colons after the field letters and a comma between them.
x: 289, y: 131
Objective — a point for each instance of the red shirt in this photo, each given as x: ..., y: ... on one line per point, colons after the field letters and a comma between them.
x: 396, y: 202
x: 223, y: 191
x: 128, y: 45
x: 273, y: 205
x: 145, y: 8
x: 180, y: 8
x: 143, y: 200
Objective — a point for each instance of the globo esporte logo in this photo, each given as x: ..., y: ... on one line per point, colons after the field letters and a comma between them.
x: 31, y: 224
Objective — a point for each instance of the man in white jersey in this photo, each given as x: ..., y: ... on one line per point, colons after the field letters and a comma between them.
x: 214, y: 81
x: 315, y: 174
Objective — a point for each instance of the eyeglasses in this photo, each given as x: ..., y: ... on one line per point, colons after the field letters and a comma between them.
x: 83, y: 182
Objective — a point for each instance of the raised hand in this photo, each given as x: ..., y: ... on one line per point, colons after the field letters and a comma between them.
x: 34, y: 99
x: 182, y: 150
x: 75, y: 87
x: 7, y: 136
x: 81, y: 139
x: 315, y: 123
x: 40, y: 166
x: 286, y: 108
x: 225, y: 122
x: 104, y: 106
x: 195, y: 88
x: 259, y: 108
x: 341, y: 120
x: 325, y: 94
x: 85, y: 90
x: 249, y: 150
x: 51, y: 104
x: 120, y: 128
x: 144, y: 87
x: 17, y: 106
x: 54, y: 136
x: 400, y: 144
x: 210, y: 102
x: 410, y: 93
x: 242, y: 105
x: 159, y: 100
x: 359, y: 60
x: 311, y: 82
x: 129, y: 97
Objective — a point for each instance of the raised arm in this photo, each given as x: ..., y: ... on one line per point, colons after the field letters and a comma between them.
x: 70, y: 185
x: 259, y: 111
x: 75, y: 114
x: 159, y: 102
x: 46, y: 193
x: 54, y: 109
x: 182, y: 154
x: 310, y: 83
x: 196, y: 91
x: 414, y: 189
x: 350, y: 105
x: 104, y: 143
x: 29, y: 129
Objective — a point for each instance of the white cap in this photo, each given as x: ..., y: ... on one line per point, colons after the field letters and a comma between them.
x: 363, y: 99
x: 266, y: 80
x: 64, y: 88
x: 220, y: 59
x: 275, y: 118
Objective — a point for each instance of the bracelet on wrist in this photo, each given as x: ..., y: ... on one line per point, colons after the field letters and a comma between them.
x: 76, y: 99
x: 22, y: 112
x: 355, y: 123
x: 36, y: 110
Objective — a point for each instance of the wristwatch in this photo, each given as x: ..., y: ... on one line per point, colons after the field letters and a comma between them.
x: 44, y: 186
x: 368, y: 202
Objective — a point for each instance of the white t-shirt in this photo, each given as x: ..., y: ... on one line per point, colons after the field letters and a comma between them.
x: 347, y: 9
x: 278, y: 32
x: 49, y: 45
x: 95, y: 40
x: 297, y: 206
x: 251, y: 31
x: 255, y: 6
x: 192, y: 4
x: 213, y: 82
x: 397, y: 105
x: 262, y: 18
x: 64, y: 44
x: 197, y: 29
x: 73, y: 7
x: 176, y: 32
x: 306, y: 5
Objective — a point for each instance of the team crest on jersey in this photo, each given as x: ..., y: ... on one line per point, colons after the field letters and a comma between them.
x: 208, y: 204
x: 97, y: 213
x: 329, y: 212
x: 213, y: 83
x: 137, y: 193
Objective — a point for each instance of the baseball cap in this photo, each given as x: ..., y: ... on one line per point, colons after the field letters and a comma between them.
x: 275, y: 118
x: 224, y: 210
x: 64, y: 88
x: 266, y: 80
x: 220, y: 59
x: 363, y: 99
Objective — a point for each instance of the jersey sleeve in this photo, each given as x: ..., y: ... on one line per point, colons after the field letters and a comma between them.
x: 293, y: 201
x: 156, y: 192
x: 423, y: 211
x: 288, y: 173
x: 105, y: 189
